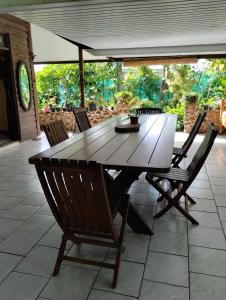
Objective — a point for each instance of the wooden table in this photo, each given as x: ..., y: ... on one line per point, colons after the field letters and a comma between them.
x: 150, y: 148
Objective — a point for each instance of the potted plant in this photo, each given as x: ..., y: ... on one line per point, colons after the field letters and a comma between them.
x: 58, y: 108
x: 191, y: 98
x: 134, y: 118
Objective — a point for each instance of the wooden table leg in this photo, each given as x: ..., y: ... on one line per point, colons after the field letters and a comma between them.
x: 134, y: 219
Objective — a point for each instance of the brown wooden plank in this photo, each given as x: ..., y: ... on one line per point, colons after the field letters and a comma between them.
x: 164, y: 149
x: 147, y: 145
x: 125, y: 151
x: 55, y: 151
x: 88, y: 150
x: 151, y: 147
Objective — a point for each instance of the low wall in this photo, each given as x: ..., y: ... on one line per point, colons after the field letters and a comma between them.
x: 191, y: 114
x: 68, y: 118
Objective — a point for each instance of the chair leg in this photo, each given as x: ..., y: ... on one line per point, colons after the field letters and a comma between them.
x: 187, y: 215
x: 163, y: 211
x: 190, y: 199
x: 60, y: 256
x: 120, y: 246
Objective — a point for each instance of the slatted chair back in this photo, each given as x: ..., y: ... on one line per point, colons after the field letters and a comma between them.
x: 81, y: 119
x: 186, y: 146
x: 55, y: 132
x: 76, y: 193
x: 202, y: 153
x: 149, y: 110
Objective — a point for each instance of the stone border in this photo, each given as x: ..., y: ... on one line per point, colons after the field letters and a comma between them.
x: 191, y: 114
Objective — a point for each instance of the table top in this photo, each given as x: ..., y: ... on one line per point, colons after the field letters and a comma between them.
x: 150, y: 148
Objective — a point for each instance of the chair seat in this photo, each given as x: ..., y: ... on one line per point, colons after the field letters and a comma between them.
x: 178, y: 151
x: 176, y: 174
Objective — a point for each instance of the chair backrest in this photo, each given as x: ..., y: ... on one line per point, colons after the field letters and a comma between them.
x: 149, y: 110
x: 202, y: 152
x: 193, y: 132
x: 81, y: 119
x: 55, y: 132
x: 76, y: 193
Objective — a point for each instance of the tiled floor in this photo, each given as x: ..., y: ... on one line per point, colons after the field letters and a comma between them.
x: 179, y: 262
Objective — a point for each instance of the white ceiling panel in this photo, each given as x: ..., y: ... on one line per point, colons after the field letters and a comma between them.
x: 48, y: 47
x: 115, y: 24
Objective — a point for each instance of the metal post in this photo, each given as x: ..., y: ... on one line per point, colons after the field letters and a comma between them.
x: 81, y: 73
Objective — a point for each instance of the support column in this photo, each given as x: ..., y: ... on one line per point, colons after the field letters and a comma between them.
x: 81, y: 73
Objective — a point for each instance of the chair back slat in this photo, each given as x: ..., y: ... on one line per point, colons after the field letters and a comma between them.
x: 81, y: 119
x: 55, y: 132
x: 149, y: 110
x: 77, y: 196
x: 186, y: 146
x: 202, y: 152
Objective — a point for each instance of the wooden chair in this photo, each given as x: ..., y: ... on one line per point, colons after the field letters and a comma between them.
x: 181, y: 179
x: 77, y: 195
x: 180, y: 153
x: 81, y: 119
x: 55, y: 132
x: 149, y: 110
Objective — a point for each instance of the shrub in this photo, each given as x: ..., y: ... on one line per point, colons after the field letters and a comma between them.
x: 179, y: 111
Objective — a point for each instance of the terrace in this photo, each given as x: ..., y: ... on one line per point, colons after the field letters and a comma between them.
x: 179, y: 261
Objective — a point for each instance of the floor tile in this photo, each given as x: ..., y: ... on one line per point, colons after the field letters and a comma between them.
x: 136, y: 247
x: 20, y: 242
x: 9, y: 202
x: 219, y: 189
x: 154, y: 290
x: 102, y: 295
x: 38, y: 222
x: 200, y: 193
x: 21, y: 286
x: 169, y: 242
x: 40, y: 261
x: 171, y: 223
x: 204, y: 287
x: 7, y: 226
x: 218, y: 180
x: 21, y: 212
x: 160, y: 267
x: 203, y: 205
x: 87, y: 251
x: 45, y: 210
x: 129, y: 279
x: 38, y: 199
x: 70, y: 283
x: 207, y: 237
x: 207, y: 261
x: 7, y: 262
x: 201, y: 184
x: 220, y: 200
x: 53, y: 238
x: 222, y: 213
x: 147, y: 212
x: 145, y: 199
x: 209, y: 220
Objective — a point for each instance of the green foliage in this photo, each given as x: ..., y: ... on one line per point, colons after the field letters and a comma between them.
x: 126, y: 97
x: 60, y: 81
x: 179, y: 111
x: 180, y: 80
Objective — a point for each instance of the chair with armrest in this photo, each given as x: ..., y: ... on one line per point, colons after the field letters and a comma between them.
x: 77, y: 195
x: 180, y: 153
x: 81, y: 119
x: 181, y: 179
x: 149, y: 110
x: 55, y: 132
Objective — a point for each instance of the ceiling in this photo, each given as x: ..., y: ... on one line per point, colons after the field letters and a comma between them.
x: 131, y: 27
x: 59, y: 50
